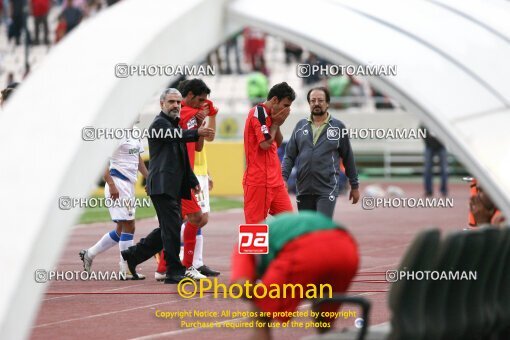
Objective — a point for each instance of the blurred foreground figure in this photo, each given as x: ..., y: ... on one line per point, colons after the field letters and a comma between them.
x: 306, y: 250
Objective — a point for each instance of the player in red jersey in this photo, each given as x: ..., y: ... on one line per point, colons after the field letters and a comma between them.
x: 264, y: 189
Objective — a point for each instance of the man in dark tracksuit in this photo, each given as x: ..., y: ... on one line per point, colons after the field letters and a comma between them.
x: 170, y: 179
x: 316, y: 146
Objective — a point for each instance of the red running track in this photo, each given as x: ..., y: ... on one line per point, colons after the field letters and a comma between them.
x: 126, y: 309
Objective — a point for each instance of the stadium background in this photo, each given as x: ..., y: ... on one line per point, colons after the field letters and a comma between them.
x: 358, y: 107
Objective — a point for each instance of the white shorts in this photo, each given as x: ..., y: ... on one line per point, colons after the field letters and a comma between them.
x: 126, y: 191
x: 203, y: 196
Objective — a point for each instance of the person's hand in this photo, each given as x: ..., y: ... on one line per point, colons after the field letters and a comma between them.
x: 205, y: 109
x: 279, y: 117
x: 354, y: 195
x: 205, y: 132
x: 200, y: 116
x: 211, y: 183
x: 197, y: 189
x: 481, y: 214
x: 114, y: 192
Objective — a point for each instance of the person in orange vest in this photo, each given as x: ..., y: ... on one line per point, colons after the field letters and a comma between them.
x: 482, y: 210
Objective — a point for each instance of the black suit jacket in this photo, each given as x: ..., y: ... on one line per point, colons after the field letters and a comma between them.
x: 169, y: 169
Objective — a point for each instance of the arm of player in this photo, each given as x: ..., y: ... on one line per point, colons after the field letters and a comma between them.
x: 211, y: 123
x: 114, y: 192
x: 273, y: 130
x: 200, y: 144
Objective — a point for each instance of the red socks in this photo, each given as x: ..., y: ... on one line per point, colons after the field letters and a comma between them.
x: 190, y: 239
x: 161, y: 263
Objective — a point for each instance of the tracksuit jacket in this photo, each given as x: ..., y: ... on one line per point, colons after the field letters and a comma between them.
x: 318, y: 166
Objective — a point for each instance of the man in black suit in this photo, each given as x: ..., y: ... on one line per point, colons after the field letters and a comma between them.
x: 170, y: 179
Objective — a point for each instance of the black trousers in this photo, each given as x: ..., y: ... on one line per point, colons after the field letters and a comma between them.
x: 324, y: 204
x: 167, y: 236
x: 41, y: 21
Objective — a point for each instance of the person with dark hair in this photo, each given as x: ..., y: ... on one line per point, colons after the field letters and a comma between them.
x: 195, y: 108
x: 264, y: 189
x: 317, y: 146
x: 194, y: 89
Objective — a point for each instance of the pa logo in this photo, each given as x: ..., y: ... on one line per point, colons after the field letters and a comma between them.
x: 333, y: 133
x: 253, y: 239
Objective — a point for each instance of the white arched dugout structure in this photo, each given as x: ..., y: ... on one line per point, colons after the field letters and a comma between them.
x: 452, y: 68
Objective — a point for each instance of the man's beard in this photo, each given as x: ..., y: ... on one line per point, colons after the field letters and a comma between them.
x: 172, y: 113
x: 318, y: 113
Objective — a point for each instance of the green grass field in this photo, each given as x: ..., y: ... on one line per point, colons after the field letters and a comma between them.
x: 92, y: 215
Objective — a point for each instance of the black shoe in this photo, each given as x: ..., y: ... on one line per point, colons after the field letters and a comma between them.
x: 204, y: 270
x: 174, y: 278
x: 131, y: 261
